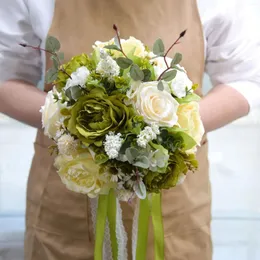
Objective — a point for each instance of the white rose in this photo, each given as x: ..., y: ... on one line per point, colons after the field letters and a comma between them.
x: 51, y: 116
x: 180, y: 83
x: 154, y: 105
x: 79, y: 77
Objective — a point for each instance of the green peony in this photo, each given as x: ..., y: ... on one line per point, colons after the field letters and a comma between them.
x: 95, y: 115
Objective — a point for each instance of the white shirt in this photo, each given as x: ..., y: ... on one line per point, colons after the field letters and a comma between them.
x: 232, y: 47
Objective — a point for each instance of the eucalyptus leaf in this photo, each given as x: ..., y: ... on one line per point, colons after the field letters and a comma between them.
x: 169, y: 75
x: 160, y: 86
x: 142, y: 162
x: 60, y: 55
x: 136, y: 73
x: 51, y: 75
x: 147, y: 75
x: 117, y: 42
x: 55, y: 61
x: 131, y: 154
x: 158, y: 47
x: 140, y: 190
x: 52, y: 44
x: 112, y: 47
x: 74, y: 92
x: 124, y: 63
x: 177, y: 59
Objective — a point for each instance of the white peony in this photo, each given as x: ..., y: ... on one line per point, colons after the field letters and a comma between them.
x: 79, y: 77
x: 180, y: 83
x: 154, y: 105
x: 51, y: 116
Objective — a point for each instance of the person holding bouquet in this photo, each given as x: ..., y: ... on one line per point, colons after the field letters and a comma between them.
x: 60, y: 221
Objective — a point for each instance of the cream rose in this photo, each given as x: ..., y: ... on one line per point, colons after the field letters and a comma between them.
x: 154, y: 105
x: 128, y: 46
x: 189, y: 118
x: 51, y: 116
x: 81, y: 174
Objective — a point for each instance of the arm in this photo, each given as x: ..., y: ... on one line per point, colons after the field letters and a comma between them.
x: 232, y: 62
x: 23, y: 105
x: 21, y: 68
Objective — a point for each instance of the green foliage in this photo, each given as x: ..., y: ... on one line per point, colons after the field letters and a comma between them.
x: 124, y: 63
x: 136, y: 73
x: 158, y: 47
x: 189, y: 98
x: 52, y: 44
x: 140, y: 189
x: 160, y: 86
x: 169, y: 75
x: 176, y: 60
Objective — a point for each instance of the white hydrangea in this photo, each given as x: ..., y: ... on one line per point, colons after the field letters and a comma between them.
x: 67, y: 145
x: 180, y: 83
x: 148, y: 134
x: 78, y: 78
x: 113, y: 144
x: 108, y: 67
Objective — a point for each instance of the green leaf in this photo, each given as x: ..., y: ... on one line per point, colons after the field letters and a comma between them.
x: 74, y: 92
x: 160, y: 86
x: 142, y: 162
x: 177, y: 59
x: 189, y: 98
x: 136, y: 73
x: 147, y: 75
x: 116, y: 42
x: 52, y: 44
x: 140, y: 190
x: 55, y: 61
x: 112, y: 47
x: 169, y: 75
x: 51, y: 75
x: 131, y: 154
x: 124, y: 63
x: 158, y: 47
x: 60, y: 55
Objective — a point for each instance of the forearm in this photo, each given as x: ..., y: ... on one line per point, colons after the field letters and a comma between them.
x: 221, y: 106
x: 22, y: 102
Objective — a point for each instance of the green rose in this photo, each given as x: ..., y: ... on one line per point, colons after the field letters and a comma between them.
x: 96, y: 114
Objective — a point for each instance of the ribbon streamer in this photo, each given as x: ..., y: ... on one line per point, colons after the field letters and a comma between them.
x: 100, y: 226
x: 143, y: 227
x: 158, y: 226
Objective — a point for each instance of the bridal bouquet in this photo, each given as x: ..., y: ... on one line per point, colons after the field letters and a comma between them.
x: 125, y: 122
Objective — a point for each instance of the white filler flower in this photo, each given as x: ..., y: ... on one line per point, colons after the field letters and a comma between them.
x: 113, y: 144
x: 67, y: 145
x: 108, y: 67
x: 148, y: 134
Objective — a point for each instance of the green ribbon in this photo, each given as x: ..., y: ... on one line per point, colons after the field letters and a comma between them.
x: 111, y: 215
x: 100, y: 226
x: 143, y: 227
x: 158, y: 226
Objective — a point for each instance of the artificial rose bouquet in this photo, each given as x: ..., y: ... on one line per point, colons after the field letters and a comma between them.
x: 125, y: 120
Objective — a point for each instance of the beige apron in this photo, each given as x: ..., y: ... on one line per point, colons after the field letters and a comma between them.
x: 58, y: 221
